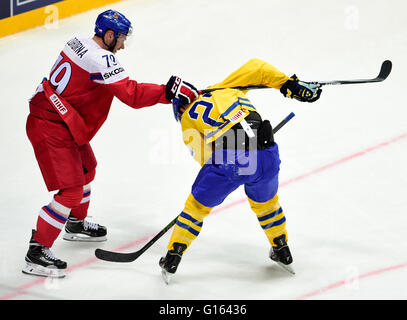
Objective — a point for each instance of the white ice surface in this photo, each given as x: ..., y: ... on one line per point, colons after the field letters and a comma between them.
x: 346, y: 223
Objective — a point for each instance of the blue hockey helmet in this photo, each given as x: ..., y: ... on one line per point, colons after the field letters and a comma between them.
x: 113, y: 20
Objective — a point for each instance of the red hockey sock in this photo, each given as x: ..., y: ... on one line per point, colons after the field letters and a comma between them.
x: 50, y: 222
x: 80, y: 212
x: 53, y: 216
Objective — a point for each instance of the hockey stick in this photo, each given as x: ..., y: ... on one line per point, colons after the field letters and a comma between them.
x: 131, y: 256
x: 383, y: 74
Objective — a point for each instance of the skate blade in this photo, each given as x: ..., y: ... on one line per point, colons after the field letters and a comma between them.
x: 287, y: 268
x: 82, y: 238
x: 37, y: 270
x: 166, y: 276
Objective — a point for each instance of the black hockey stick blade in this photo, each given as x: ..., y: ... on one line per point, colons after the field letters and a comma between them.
x: 131, y: 256
x: 383, y: 74
x: 385, y: 70
x: 116, y: 256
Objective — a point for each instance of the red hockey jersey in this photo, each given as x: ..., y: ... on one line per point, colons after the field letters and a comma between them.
x: 88, y: 77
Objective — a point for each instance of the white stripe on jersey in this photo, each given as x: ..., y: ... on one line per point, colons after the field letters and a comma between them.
x: 89, y: 56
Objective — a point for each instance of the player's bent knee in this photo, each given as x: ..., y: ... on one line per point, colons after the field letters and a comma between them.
x: 70, y: 197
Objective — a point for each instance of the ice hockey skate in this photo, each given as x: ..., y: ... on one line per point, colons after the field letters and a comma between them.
x: 170, y: 262
x: 82, y: 230
x: 280, y: 253
x: 40, y: 261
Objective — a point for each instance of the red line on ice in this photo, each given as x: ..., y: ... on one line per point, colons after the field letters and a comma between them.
x: 21, y: 290
x: 349, y: 280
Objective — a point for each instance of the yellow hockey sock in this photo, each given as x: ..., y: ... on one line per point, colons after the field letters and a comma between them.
x: 271, y: 218
x: 189, y: 222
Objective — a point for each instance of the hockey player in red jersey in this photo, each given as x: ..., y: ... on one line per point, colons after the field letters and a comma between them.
x: 66, y: 112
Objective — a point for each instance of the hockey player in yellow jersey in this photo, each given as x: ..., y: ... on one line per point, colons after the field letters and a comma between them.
x: 235, y: 146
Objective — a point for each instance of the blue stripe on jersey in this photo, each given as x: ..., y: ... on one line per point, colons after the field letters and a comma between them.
x: 241, y: 101
x: 210, y: 134
x: 193, y: 220
x: 228, y: 110
x: 188, y: 228
x: 271, y: 215
x: 96, y: 76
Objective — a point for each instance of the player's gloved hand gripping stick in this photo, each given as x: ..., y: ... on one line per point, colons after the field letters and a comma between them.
x: 131, y: 256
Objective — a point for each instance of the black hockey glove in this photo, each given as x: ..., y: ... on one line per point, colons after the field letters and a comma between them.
x: 302, y: 91
x: 183, y: 91
x: 265, y: 135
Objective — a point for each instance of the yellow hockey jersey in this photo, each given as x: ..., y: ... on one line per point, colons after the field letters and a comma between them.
x: 212, y: 114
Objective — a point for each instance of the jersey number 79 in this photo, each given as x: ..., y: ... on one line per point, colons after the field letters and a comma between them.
x: 60, y: 74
